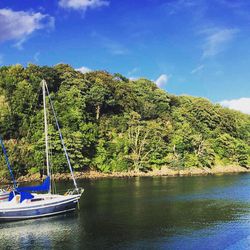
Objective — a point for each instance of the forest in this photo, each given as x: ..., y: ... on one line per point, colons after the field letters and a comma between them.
x: 113, y: 124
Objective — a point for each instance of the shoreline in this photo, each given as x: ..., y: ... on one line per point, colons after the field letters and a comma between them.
x: 164, y: 172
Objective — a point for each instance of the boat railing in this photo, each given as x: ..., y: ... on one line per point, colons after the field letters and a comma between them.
x: 74, y: 191
x: 6, y: 188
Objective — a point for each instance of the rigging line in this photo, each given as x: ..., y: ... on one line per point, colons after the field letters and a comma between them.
x: 53, y: 183
x: 61, y: 137
x: 8, y: 163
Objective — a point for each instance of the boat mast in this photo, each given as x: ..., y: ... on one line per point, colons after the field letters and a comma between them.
x: 61, y: 138
x: 46, y: 132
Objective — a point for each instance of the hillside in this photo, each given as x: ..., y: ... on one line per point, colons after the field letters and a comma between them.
x: 113, y: 124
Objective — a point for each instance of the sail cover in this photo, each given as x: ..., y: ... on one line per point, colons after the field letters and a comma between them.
x: 41, y: 188
x: 23, y: 196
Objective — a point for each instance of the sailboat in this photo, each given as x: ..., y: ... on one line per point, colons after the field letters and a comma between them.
x: 26, y: 202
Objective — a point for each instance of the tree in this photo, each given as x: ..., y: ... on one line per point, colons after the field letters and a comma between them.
x: 111, y: 123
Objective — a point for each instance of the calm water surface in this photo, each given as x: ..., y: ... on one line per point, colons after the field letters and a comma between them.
x: 210, y: 212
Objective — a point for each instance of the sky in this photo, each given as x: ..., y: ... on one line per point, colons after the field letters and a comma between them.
x: 191, y: 47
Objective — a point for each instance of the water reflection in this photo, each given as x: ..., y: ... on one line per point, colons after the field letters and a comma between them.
x: 145, y: 213
x: 46, y: 233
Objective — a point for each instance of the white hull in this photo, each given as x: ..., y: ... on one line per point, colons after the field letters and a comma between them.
x: 42, y: 205
x: 4, y: 195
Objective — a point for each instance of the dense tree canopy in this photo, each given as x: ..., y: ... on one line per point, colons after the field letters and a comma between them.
x: 111, y: 123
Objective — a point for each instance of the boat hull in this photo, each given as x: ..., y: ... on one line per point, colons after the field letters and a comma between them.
x: 39, y: 211
x: 4, y: 196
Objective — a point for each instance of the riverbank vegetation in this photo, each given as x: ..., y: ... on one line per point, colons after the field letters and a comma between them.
x: 113, y: 124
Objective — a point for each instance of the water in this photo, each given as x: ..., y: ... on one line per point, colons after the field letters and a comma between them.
x: 210, y: 212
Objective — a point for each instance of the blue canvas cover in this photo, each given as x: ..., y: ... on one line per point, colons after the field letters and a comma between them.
x: 11, y: 195
x: 26, y: 196
x: 23, y: 196
x: 41, y: 188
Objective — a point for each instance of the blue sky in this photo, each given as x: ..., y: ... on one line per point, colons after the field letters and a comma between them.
x: 195, y: 47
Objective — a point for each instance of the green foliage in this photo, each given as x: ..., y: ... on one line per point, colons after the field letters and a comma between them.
x: 112, y: 124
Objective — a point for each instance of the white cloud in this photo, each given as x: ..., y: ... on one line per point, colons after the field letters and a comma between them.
x: 133, y: 78
x: 117, y: 51
x: 216, y: 40
x: 175, y: 6
x: 132, y: 72
x: 82, y: 4
x: 113, y: 47
x: 162, y: 80
x: 83, y: 69
x: 18, y: 25
x: 235, y: 4
x: 241, y: 104
x: 36, y: 56
x: 197, y: 69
